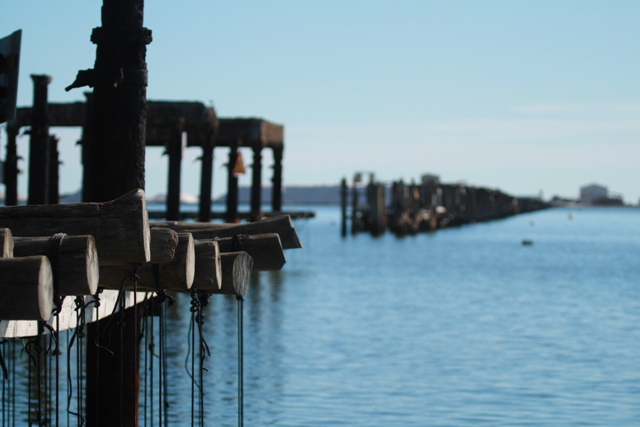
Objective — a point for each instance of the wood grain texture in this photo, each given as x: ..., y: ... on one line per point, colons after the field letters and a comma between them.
x: 265, y: 249
x: 208, y: 275
x: 26, y: 288
x: 120, y: 227
x: 236, y: 273
x: 77, y: 266
x: 176, y: 275
x: 6, y: 240
x: 281, y: 225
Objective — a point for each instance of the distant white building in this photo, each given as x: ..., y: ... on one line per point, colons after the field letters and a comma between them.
x: 593, y: 192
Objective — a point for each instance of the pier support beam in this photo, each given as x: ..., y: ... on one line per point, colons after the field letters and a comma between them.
x: 343, y: 207
x: 54, y: 171
x: 276, y: 189
x: 113, y: 158
x: 174, y: 151
x: 231, y: 215
x: 11, y: 165
x: 39, y: 144
x: 256, y: 184
x: 206, y: 180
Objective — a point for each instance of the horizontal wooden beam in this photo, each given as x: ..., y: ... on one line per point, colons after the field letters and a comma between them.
x: 120, y: 227
x: 281, y: 225
x: 76, y: 268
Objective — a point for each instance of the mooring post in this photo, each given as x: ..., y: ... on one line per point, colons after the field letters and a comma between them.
x: 113, y: 156
x: 355, y: 222
x: 11, y: 165
x: 174, y: 151
x: 276, y: 189
x: 39, y: 144
x: 343, y: 207
x: 256, y: 184
x: 53, y: 195
x: 232, y: 186
x: 206, y: 179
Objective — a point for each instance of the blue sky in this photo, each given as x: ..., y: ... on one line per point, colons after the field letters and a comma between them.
x: 521, y: 96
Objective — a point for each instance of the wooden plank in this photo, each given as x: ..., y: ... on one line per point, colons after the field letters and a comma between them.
x: 282, y: 225
x: 265, y: 249
x: 120, y: 227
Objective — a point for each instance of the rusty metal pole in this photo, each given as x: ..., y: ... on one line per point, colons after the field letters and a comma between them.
x: 256, y: 184
x: 206, y: 180
x: 39, y: 144
x: 276, y: 189
x: 11, y: 169
x: 113, y: 157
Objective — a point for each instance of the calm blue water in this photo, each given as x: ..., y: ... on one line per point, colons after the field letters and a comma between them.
x: 462, y: 327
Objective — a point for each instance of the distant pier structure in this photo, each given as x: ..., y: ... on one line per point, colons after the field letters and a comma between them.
x: 409, y: 208
x: 175, y: 125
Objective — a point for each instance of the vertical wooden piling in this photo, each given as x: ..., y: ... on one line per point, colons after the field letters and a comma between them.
x: 11, y: 165
x: 206, y: 179
x: 39, y: 144
x: 174, y: 151
x: 355, y: 220
x: 343, y: 207
x: 114, y: 164
x: 231, y: 215
x: 256, y: 184
x: 276, y: 190
x: 53, y: 195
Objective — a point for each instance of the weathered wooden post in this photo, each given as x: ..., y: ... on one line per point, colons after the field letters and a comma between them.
x: 355, y: 220
x: 114, y: 164
x: 276, y: 189
x: 343, y: 207
x: 11, y: 165
x: 53, y: 195
x: 39, y: 144
x: 206, y: 178
x: 174, y: 151
x: 256, y: 184
x: 231, y: 215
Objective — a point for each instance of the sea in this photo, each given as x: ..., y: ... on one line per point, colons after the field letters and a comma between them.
x: 459, y: 327
x: 463, y: 326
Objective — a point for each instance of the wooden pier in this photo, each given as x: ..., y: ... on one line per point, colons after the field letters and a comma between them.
x: 101, y: 265
x: 412, y: 208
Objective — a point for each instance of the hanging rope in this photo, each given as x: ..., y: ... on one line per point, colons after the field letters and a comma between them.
x: 4, y: 381
x: 240, y: 361
x: 78, y: 335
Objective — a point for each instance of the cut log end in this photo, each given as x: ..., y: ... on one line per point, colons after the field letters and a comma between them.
x: 45, y: 289
x: 208, y: 270
x: 26, y: 288
x: 7, y: 243
x: 236, y: 273
x: 93, y: 268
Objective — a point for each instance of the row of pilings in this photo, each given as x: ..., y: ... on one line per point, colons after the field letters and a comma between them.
x: 410, y: 208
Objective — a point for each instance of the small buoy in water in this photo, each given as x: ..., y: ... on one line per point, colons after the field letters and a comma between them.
x: 527, y: 242
x: 570, y: 217
x: 532, y: 222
